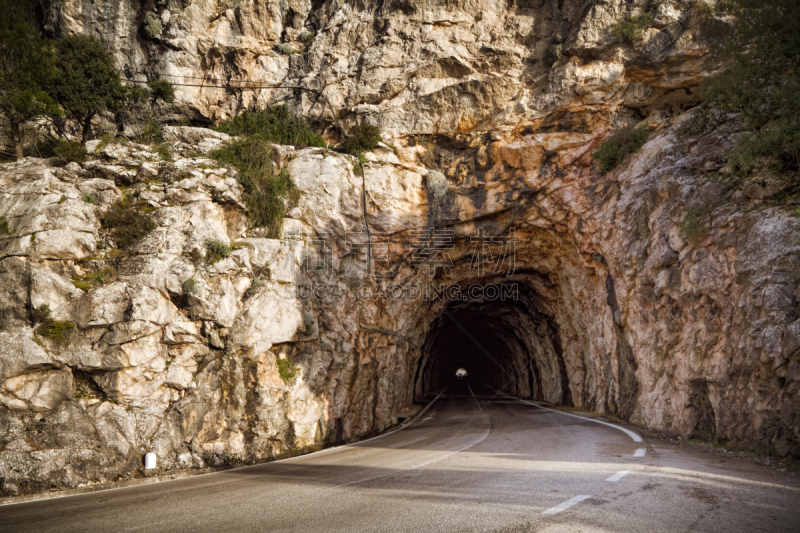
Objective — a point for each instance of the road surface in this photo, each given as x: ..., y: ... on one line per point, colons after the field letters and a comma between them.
x: 473, y: 462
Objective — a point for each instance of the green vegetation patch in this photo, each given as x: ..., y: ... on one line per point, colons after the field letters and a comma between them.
x: 5, y: 229
x: 164, y: 152
x: 99, y: 278
x: 759, y: 86
x: 57, y: 331
x: 614, y: 149
x: 693, y: 230
x: 73, y: 152
x: 41, y: 314
x: 286, y: 49
x: 274, y: 124
x: 630, y: 29
x: 190, y: 286
x: 127, y: 222
x: 361, y: 138
x: 216, y: 250
x: 161, y: 90
x: 265, y: 194
x: 286, y: 370
x: 152, y: 25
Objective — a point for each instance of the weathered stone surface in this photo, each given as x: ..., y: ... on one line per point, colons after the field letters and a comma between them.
x: 490, y: 111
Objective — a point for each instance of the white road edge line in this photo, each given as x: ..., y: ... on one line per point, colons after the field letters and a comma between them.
x: 631, y: 434
x: 407, y: 442
x: 639, y: 452
x: 474, y: 398
x: 619, y: 475
x: 566, y: 505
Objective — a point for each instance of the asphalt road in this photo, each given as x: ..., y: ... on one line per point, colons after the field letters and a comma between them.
x: 474, y: 462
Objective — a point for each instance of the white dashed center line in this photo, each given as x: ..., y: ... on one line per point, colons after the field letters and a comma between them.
x: 640, y: 452
x: 619, y: 475
x: 566, y: 505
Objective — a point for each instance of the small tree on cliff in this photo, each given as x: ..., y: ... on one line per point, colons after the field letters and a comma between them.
x: 759, y: 84
x: 88, y: 81
x: 27, y: 64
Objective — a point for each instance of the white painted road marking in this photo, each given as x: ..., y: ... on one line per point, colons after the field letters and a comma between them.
x: 640, y: 452
x: 407, y: 442
x: 619, y: 475
x: 631, y: 434
x: 566, y: 505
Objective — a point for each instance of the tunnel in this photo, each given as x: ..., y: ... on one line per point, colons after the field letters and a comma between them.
x: 508, y: 345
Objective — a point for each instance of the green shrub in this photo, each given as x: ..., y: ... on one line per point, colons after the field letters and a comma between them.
x: 81, y: 284
x: 630, y: 29
x: 703, y: 10
x: 57, y: 331
x: 274, y: 124
x: 152, y: 25
x: 88, y: 81
x: 254, y: 286
x: 556, y: 48
x: 27, y: 66
x: 127, y: 222
x: 286, y: 370
x: 693, y: 230
x: 285, y: 49
x: 264, y: 193
x: 164, y: 152
x: 614, y: 149
x: 105, y: 140
x: 361, y: 138
x: 190, y: 286
x: 41, y: 314
x: 74, y: 152
x: 5, y: 229
x: 95, y: 279
x: 195, y: 256
x: 152, y: 132
x: 216, y: 250
x: 161, y: 90
x: 759, y: 85
x: 358, y: 166
x: 306, y: 37
x: 103, y: 276
x: 88, y: 198
x: 696, y: 124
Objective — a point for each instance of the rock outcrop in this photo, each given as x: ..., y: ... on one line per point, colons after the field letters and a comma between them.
x: 665, y: 292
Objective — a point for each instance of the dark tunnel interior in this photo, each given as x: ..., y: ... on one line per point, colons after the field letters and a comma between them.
x: 506, y: 345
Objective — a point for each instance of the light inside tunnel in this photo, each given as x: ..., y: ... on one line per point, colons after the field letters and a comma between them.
x: 506, y: 345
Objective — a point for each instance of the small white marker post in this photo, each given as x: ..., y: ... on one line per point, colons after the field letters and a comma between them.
x: 149, y: 461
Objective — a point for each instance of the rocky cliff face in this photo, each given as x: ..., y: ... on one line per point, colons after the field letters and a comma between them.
x: 407, y: 66
x: 665, y: 292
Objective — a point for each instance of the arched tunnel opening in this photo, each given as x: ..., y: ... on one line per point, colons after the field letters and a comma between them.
x: 508, y: 345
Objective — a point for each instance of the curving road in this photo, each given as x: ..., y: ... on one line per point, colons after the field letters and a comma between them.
x: 476, y: 461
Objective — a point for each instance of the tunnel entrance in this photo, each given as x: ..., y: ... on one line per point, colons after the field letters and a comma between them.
x: 508, y: 345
